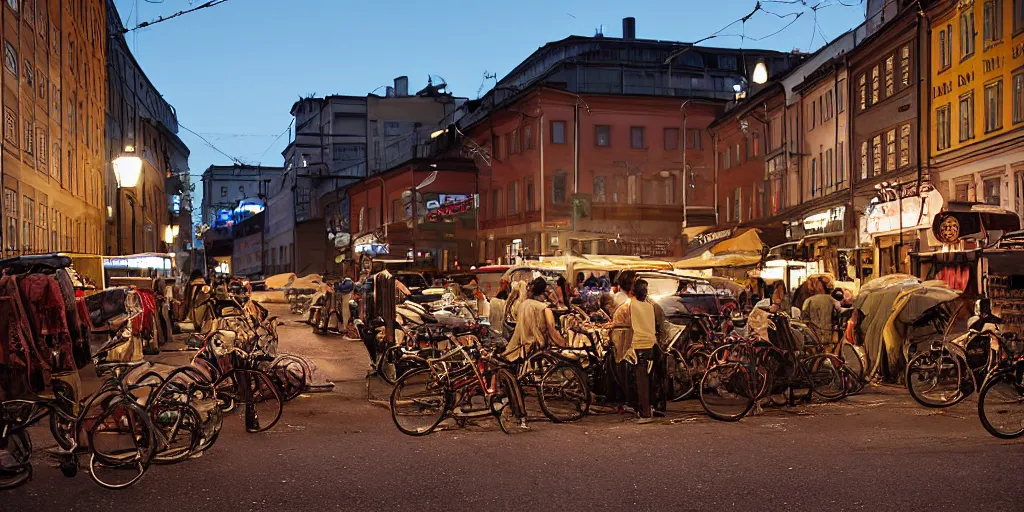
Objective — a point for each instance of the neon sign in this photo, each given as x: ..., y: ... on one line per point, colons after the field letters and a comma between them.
x: 450, y: 209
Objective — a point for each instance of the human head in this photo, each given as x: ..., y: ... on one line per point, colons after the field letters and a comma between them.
x: 580, y: 278
x: 625, y: 280
x: 837, y: 295
x: 196, y: 274
x: 538, y: 287
x: 504, y: 283
x: 640, y: 289
x: 561, y: 281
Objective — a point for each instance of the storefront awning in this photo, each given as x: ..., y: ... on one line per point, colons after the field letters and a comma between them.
x: 972, y: 221
x: 742, y: 249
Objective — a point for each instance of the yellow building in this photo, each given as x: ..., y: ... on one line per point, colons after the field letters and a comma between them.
x: 54, y: 92
x: 976, y: 101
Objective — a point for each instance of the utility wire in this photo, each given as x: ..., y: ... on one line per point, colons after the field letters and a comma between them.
x: 161, y: 19
x: 286, y: 130
x: 210, y: 144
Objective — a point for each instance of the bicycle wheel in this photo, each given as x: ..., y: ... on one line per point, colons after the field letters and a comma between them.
x: 1001, y: 405
x: 825, y: 376
x: 853, y: 360
x: 934, y: 379
x: 289, y: 372
x: 564, y: 394
x: 179, y: 432
x: 680, y: 376
x: 727, y: 391
x: 418, y: 403
x: 255, y: 395
x: 121, y: 444
x: 187, y: 387
x: 504, y: 402
x: 15, y: 452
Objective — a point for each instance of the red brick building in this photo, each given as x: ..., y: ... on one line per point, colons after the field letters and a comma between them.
x: 590, y: 143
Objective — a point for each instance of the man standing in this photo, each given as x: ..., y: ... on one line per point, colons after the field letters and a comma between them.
x: 535, y: 323
x: 642, y: 317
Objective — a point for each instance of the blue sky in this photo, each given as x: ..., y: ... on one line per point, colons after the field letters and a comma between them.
x: 232, y: 71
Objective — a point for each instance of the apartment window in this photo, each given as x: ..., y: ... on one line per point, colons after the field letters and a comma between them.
x: 814, y: 177
x: 636, y: 137
x: 41, y: 141
x: 1018, y: 16
x: 993, y: 21
x: 558, y: 188
x: 737, y: 205
x: 26, y: 225
x: 30, y: 146
x: 496, y: 203
x: 890, y: 78
x: 812, y: 115
x: 397, y: 211
x: 528, y: 137
x: 967, y: 117
x: 890, y: 150
x: 827, y: 165
x: 864, y: 160
x: 224, y: 191
x: 821, y: 110
x: 513, y: 198
x: 727, y: 159
x: 943, y: 129
x: 10, y: 126
x: 904, y: 66
x: 671, y: 139
x: 755, y: 144
x: 600, y: 196
x: 962, y: 191
x: 695, y: 138
x: 391, y: 128
x: 945, y: 51
x: 11, y: 212
x: 840, y: 166
x: 829, y: 107
x: 876, y: 155
x: 11, y: 58
x: 994, y: 106
x: 516, y: 142
x: 875, y: 84
x: 29, y: 79
x: 905, y: 145
x: 13, y: 4
x: 496, y: 147
x: 529, y: 195
x: 1018, y: 97
x: 558, y: 132
x: 841, y: 96
x: 992, y: 188
x: 862, y: 92
x: 967, y: 33
x: 508, y: 144
x: 41, y: 227
x: 602, y: 135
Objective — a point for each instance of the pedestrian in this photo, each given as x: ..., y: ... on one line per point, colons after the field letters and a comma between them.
x: 611, y: 302
x: 638, y: 314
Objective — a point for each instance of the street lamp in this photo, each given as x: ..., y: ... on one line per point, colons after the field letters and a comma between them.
x: 127, y: 169
x: 168, y: 235
x: 760, y: 75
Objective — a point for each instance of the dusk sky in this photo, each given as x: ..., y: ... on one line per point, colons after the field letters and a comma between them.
x: 233, y: 71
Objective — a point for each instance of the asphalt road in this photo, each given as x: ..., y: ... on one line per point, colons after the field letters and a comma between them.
x: 336, y: 451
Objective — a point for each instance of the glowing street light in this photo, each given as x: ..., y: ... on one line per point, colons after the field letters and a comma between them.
x: 760, y: 75
x: 127, y: 168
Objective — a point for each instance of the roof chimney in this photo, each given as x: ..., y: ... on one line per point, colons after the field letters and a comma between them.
x: 389, y: 92
x: 629, y: 28
x: 402, y: 86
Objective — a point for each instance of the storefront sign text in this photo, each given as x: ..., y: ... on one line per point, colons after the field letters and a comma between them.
x: 706, y: 238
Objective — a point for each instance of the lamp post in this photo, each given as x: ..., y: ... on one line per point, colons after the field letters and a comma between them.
x: 127, y: 169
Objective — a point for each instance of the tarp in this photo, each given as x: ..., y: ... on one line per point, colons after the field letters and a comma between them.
x: 709, y: 260
x: 746, y: 242
x: 279, y: 281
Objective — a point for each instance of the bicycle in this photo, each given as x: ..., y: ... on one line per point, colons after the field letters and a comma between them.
x: 952, y: 369
x: 422, y: 398
x: 236, y: 378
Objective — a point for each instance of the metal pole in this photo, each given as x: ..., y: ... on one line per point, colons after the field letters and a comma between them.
x: 683, y: 142
x: 899, y: 206
x: 120, y: 243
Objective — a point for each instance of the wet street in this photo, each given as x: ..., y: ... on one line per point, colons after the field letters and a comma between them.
x: 336, y: 451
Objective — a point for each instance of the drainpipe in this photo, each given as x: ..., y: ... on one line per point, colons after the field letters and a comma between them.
x: 683, y: 143
x: 714, y: 143
x: 542, y: 187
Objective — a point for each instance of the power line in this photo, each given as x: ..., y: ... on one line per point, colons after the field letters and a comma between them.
x: 286, y: 130
x: 210, y: 144
x: 161, y: 19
